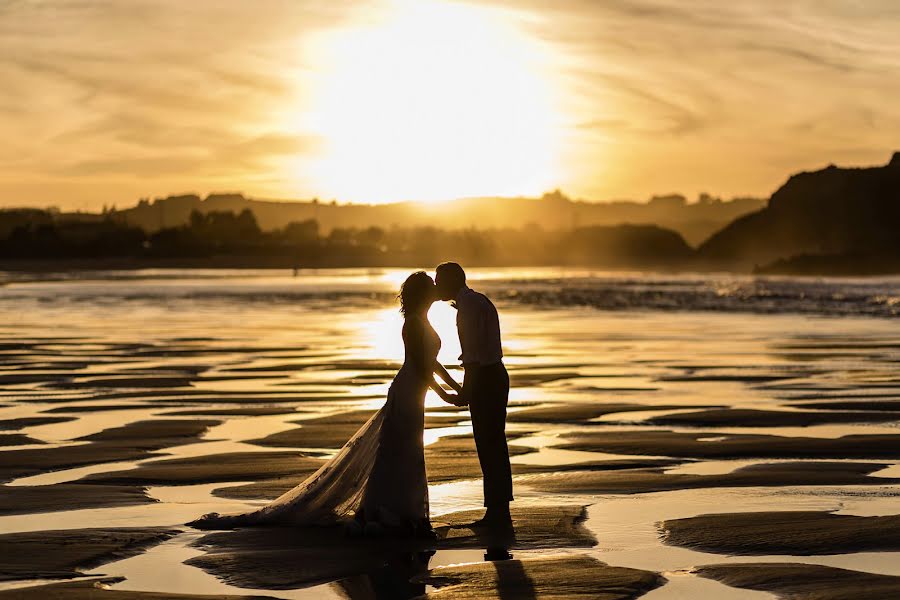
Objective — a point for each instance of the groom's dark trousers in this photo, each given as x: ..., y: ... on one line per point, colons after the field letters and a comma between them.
x: 487, y: 389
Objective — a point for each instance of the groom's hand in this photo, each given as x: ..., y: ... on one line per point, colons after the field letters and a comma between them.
x: 455, y: 400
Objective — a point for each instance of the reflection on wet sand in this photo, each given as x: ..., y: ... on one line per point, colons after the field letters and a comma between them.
x: 395, y: 579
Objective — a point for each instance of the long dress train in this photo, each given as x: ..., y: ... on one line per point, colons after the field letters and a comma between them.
x: 378, y: 475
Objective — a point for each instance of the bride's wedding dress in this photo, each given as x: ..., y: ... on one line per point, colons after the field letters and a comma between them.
x: 379, y: 474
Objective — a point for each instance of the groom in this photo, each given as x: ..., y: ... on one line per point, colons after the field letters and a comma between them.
x: 485, y: 387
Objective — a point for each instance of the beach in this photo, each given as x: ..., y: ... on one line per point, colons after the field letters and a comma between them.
x: 672, y: 436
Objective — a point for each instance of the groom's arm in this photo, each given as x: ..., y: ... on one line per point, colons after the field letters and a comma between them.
x: 442, y: 372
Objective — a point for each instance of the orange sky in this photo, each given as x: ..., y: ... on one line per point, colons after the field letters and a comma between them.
x: 104, y: 102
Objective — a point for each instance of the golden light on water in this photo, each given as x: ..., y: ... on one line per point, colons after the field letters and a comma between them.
x: 380, y: 335
x: 432, y: 101
x: 381, y: 339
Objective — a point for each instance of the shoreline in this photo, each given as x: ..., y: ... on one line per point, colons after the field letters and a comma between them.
x: 62, y: 265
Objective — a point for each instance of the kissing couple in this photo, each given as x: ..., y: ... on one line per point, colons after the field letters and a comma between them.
x: 376, y: 484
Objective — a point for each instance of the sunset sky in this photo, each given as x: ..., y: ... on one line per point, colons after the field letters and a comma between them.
x: 104, y: 102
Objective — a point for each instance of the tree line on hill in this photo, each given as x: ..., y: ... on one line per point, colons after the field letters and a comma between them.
x: 225, y: 237
x: 695, y: 221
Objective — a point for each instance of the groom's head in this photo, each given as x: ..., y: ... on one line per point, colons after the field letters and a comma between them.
x: 449, y: 278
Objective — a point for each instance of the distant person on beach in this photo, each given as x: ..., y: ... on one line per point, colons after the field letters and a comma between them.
x: 485, y: 387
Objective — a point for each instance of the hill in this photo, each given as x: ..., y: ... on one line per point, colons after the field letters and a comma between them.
x: 835, y: 216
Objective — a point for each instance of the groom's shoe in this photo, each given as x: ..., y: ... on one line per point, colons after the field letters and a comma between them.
x: 497, y: 553
x: 496, y: 518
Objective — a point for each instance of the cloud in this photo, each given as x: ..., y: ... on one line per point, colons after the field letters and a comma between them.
x: 246, y: 156
x: 132, y: 87
x: 725, y: 96
x: 729, y: 97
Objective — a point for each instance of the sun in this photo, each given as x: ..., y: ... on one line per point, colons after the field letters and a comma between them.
x: 432, y: 100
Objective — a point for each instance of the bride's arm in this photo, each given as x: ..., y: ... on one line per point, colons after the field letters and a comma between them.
x: 441, y: 372
x: 444, y: 394
x: 414, y: 338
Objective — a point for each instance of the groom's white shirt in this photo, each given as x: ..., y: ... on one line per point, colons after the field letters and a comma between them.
x: 479, y: 328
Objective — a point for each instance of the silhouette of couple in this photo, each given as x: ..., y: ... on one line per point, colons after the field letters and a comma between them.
x: 376, y: 483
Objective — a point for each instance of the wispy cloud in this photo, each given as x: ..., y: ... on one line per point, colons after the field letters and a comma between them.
x: 725, y: 96
x: 691, y: 94
x: 244, y: 157
x: 188, y: 93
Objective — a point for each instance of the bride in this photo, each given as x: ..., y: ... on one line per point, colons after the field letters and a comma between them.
x: 376, y: 482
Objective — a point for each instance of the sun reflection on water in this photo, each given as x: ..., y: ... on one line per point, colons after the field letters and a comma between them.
x: 380, y: 334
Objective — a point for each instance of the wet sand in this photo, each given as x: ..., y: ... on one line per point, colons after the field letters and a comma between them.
x: 784, y: 532
x: 63, y: 554
x: 642, y: 480
x: 799, y: 581
x: 719, y: 444
x: 769, y: 418
x: 563, y: 578
x: 99, y: 589
x: 65, y: 496
x: 127, y: 442
x: 137, y: 406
